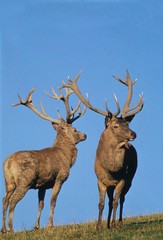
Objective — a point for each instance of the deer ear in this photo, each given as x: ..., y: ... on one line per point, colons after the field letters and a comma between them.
x: 129, y: 118
x: 55, y: 126
x: 62, y: 124
x: 107, y: 120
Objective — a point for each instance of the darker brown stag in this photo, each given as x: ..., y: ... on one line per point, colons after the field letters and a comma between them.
x: 116, y: 158
x: 42, y: 169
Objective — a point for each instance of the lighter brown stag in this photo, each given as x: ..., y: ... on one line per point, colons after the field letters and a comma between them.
x: 116, y: 158
x: 45, y: 168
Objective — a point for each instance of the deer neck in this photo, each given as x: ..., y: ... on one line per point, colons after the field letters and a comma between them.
x: 111, y: 141
x: 62, y: 139
x: 67, y: 146
x: 111, y: 152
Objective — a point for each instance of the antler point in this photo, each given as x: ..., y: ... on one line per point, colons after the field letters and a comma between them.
x: 115, y: 96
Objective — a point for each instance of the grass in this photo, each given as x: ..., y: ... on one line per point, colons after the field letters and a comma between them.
x: 137, y: 228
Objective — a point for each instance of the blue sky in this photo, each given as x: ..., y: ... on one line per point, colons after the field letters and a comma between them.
x: 43, y: 42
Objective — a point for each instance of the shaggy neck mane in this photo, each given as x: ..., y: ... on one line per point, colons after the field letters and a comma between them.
x: 69, y: 146
x: 62, y: 139
x: 109, y: 140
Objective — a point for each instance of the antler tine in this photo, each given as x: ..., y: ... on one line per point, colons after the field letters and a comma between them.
x: 70, y: 118
x: 59, y: 97
x: 28, y: 103
x: 70, y: 115
x: 73, y: 111
x: 118, y: 107
x: 68, y: 92
x: 126, y: 112
x: 58, y: 113
x: 80, y: 113
x: 128, y: 83
x: 55, y: 95
x: 76, y: 78
x: 137, y: 108
x: 28, y: 98
x: 128, y: 79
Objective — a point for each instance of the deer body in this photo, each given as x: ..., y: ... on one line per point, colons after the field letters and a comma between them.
x: 116, y: 159
x: 41, y: 169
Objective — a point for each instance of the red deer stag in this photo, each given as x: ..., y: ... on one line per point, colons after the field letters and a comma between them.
x: 42, y: 169
x: 116, y: 158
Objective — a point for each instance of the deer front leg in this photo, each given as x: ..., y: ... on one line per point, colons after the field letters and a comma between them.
x: 102, y: 193
x: 122, y: 200
x: 55, y: 191
x: 110, y: 192
x: 41, y: 196
x: 118, y: 190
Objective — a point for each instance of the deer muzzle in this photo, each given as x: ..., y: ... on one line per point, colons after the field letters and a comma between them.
x: 132, y: 136
x: 85, y: 137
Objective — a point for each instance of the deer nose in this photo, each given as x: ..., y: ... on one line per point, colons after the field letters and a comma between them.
x: 133, y: 135
x: 85, y: 136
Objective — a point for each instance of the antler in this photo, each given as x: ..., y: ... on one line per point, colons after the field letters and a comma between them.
x: 28, y: 103
x: 128, y: 111
x: 72, y: 84
x: 70, y: 117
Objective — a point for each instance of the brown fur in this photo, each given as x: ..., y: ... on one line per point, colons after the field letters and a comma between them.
x: 115, y: 166
x: 40, y: 169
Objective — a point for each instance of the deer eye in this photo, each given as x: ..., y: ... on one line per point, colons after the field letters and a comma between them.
x: 116, y: 126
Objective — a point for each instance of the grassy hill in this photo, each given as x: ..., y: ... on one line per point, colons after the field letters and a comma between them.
x: 143, y: 227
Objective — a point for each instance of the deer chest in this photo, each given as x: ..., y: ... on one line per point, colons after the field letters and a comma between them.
x: 114, y: 161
